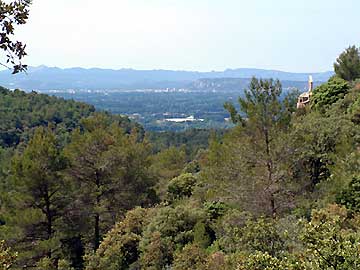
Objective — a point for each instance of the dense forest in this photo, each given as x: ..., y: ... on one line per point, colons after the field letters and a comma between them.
x: 81, y: 189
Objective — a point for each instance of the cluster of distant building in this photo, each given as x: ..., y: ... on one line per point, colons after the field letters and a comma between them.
x: 191, y: 118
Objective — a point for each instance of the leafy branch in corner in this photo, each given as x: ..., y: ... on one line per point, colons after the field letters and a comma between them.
x: 12, y: 14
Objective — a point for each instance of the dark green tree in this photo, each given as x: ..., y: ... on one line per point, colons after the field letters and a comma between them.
x: 202, y: 236
x: 37, y: 202
x: 110, y: 171
x: 257, y: 146
x: 21, y: 113
x: 350, y: 196
x: 347, y: 65
x: 329, y: 92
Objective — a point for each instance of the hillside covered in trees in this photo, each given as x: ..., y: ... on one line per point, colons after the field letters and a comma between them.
x: 81, y: 189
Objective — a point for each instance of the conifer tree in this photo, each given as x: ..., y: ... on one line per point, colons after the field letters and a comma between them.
x: 264, y: 120
x: 347, y: 65
x: 38, y: 199
x: 109, y: 170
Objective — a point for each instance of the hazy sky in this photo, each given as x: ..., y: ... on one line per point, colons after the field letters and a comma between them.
x: 291, y: 35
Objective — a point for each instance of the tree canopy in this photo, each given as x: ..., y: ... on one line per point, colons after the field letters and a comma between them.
x: 347, y: 65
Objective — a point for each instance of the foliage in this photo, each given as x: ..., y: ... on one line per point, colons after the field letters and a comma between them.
x: 110, y: 170
x: 48, y: 264
x: 38, y: 199
x: 167, y: 165
x: 239, y: 232
x: 158, y: 253
x: 329, y: 242
x: 254, y: 156
x: 64, y: 265
x: 228, y: 230
x: 355, y: 111
x: 190, y: 257
x: 347, y: 65
x: 315, y: 139
x: 120, y: 247
x: 169, y: 230
x: 328, y: 93
x: 202, y: 235
x: 11, y: 14
x: 350, y: 196
x: 181, y: 186
x: 264, y: 261
x: 215, y: 209
x: 22, y: 112
x: 262, y: 235
x: 170, y: 162
x: 7, y: 257
x: 192, y: 139
x: 262, y: 103
x: 45, y: 264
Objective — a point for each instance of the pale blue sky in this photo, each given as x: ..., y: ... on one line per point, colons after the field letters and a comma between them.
x: 299, y: 36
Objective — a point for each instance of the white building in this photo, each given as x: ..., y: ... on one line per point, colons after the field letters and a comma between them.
x: 182, y: 120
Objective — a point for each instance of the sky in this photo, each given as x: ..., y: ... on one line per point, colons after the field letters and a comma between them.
x: 203, y: 35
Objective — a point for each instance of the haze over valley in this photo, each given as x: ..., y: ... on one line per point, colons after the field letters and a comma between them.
x: 153, y: 97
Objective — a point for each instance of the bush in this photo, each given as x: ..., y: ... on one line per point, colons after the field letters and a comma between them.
x: 181, y: 186
x: 350, y: 197
x: 190, y: 257
x: 168, y: 231
x: 120, y: 247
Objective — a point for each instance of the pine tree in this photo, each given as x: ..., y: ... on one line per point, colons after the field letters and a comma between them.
x: 110, y: 172
x: 38, y: 199
x: 347, y: 65
x: 259, y: 144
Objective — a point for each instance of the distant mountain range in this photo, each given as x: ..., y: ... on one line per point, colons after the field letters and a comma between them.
x: 46, y: 78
